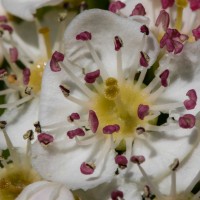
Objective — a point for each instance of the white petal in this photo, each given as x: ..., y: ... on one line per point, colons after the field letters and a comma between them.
x: 25, y: 9
x: 19, y: 120
x: 130, y: 190
x: 104, y: 26
x: 160, y: 150
x: 45, y: 190
x: 61, y: 161
x: 152, y: 8
x: 187, y: 72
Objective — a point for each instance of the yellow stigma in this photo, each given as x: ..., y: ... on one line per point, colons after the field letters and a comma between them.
x: 111, y: 90
x: 181, y: 4
x: 118, y: 105
x: 37, y: 70
x: 13, y: 179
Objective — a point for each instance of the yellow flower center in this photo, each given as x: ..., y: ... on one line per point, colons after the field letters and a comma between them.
x: 118, y: 104
x: 14, y: 178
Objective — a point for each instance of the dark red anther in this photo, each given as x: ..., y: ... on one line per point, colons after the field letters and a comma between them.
x: 138, y: 10
x: 92, y: 76
x: 167, y: 3
x: 143, y: 110
x: 76, y: 132
x: 187, y: 121
x: 117, y: 194
x: 138, y: 159
x: 144, y: 59
x: 110, y: 129
x: 26, y: 75
x: 164, y: 76
x: 87, y: 168
x: 116, y: 6
x: 118, y: 43
x: 84, y: 36
x: 196, y: 33
x: 144, y: 29
x: 194, y: 4
x: 56, y: 57
x: 164, y: 19
x: 93, y: 121
x: 45, y: 138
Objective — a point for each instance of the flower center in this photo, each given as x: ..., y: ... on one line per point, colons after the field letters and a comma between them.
x: 118, y: 104
x: 13, y: 179
x: 37, y: 70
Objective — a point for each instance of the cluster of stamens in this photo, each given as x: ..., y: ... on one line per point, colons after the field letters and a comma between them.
x: 118, y: 107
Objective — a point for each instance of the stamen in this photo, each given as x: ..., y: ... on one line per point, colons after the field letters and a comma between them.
x: 56, y: 57
x: 118, y: 45
x: 138, y: 10
x: 93, y: 121
x: 45, y: 138
x: 45, y: 33
x: 138, y: 160
x: 86, y: 142
x: 13, y: 54
x: 29, y: 135
x: 87, y: 168
x: 167, y: 3
x: 76, y: 80
x: 166, y: 107
x: 116, y: 6
x: 143, y: 110
x: 7, y: 91
x: 74, y: 116
x: 92, y: 76
x: 187, y: 121
x: 144, y: 59
x: 164, y: 76
x: 121, y: 161
x: 153, y: 96
x: 84, y: 36
x: 140, y: 130
x: 117, y: 195
x: 191, y: 103
x: 6, y: 27
x: 77, y: 132
x: 144, y: 29
x: 13, y: 153
x: 173, y: 167
x: 26, y: 76
x: 163, y: 19
x: 194, y: 5
x: 17, y: 103
x: 110, y: 129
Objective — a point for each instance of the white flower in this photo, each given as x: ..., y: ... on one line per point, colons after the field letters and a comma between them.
x: 45, y: 190
x: 22, y: 86
x: 17, y: 171
x: 26, y: 9
x: 105, y: 82
x: 181, y: 16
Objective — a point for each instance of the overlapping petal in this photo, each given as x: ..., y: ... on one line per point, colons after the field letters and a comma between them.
x: 45, y: 190
x: 26, y: 9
